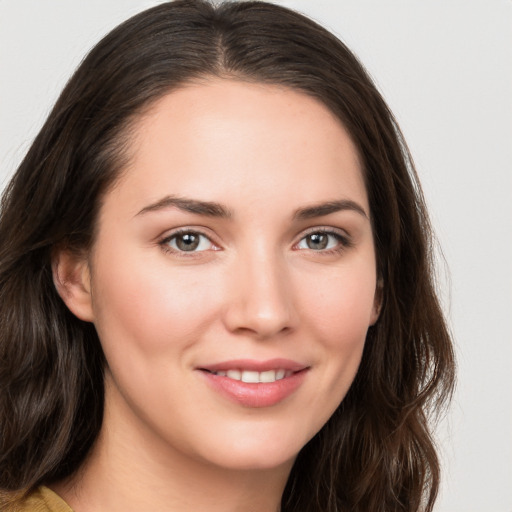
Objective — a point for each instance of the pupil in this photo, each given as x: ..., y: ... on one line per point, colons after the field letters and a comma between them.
x: 187, y: 242
x: 317, y: 241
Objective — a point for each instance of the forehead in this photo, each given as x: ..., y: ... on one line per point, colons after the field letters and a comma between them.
x: 220, y: 138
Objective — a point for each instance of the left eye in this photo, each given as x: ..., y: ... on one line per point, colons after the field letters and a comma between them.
x: 320, y: 241
x: 189, y: 241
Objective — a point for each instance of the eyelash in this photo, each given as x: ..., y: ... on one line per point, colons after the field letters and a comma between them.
x: 164, y: 243
x: 343, y: 240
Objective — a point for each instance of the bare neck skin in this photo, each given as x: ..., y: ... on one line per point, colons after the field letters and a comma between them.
x: 124, y: 475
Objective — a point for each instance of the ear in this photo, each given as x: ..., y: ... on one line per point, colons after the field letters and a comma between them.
x: 72, y: 280
x: 377, y: 301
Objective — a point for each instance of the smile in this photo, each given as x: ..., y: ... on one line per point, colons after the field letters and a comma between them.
x: 254, y: 377
x: 255, y: 384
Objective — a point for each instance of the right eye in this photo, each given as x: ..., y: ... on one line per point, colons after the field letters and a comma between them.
x: 188, y: 241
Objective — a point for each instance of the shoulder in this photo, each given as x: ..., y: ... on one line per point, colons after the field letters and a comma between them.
x: 40, y: 500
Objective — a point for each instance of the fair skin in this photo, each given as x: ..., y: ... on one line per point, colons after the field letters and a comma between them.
x: 237, y: 240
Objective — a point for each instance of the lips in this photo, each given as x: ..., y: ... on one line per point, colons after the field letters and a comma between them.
x: 255, y: 383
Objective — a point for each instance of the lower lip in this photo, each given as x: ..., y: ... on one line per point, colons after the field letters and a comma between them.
x: 262, y: 394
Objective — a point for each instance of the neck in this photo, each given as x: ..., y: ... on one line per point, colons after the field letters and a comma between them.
x: 129, y: 470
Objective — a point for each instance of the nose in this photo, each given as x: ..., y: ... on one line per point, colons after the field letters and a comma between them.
x: 260, y: 300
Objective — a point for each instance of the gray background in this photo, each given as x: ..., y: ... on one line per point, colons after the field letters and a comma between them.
x: 445, y: 68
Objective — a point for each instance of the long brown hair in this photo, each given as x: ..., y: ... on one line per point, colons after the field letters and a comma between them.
x: 376, y: 453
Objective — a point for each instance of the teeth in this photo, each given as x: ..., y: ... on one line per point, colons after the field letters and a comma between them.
x: 253, y: 377
x: 269, y: 376
x: 234, y: 374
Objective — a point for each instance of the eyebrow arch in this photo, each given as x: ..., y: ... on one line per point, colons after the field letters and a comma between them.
x: 318, y: 210
x: 207, y: 208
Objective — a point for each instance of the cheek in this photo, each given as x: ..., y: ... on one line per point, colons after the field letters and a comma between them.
x: 341, y: 306
x: 339, y: 314
x: 145, y: 303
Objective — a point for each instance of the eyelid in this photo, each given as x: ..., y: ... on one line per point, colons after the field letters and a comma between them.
x: 163, y: 241
x: 344, y: 238
x: 325, y: 229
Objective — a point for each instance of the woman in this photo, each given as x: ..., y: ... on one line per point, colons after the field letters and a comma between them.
x: 216, y: 284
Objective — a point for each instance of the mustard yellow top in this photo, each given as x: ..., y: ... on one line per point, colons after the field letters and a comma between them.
x: 41, y: 500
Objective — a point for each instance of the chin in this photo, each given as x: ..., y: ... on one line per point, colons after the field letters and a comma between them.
x: 259, y: 451
x: 257, y: 461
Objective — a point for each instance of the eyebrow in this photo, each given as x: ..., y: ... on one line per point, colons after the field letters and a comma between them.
x: 321, y: 209
x: 207, y: 208
x: 213, y: 209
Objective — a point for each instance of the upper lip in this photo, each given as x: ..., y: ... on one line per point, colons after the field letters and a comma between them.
x: 255, y: 365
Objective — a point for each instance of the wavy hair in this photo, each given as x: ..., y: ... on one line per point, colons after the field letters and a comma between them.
x: 376, y: 453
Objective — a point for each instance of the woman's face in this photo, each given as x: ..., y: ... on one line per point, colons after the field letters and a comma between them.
x: 233, y: 278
